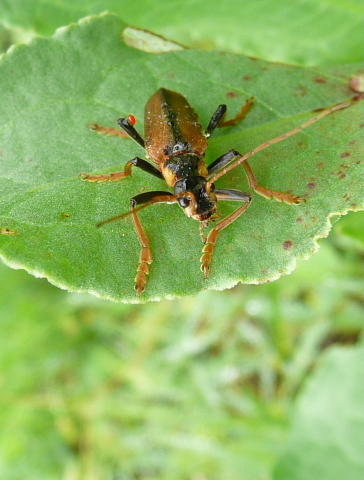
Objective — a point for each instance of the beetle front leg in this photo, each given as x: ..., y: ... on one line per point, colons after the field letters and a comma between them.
x: 208, y: 249
x: 145, y: 257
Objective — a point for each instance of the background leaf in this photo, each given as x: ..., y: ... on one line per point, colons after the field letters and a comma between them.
x: 326, y: 439
x: 301, y: 32
x: 351, y: 234
x: 192, y: 388
x: 46, y: 143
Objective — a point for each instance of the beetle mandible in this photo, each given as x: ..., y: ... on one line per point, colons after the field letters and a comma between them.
x: 176, y: 143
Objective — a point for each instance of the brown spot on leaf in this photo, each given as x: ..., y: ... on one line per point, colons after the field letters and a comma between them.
x: 320, y: 165
x: 311, y: 185
x: 320, y: 80
x: 287, y: 244
x: 247, y: 78
x: 345, y: 154
x: 300, y: 92
x: 231, y: 94
x: 299, y: 219
x: 352, y: 142
x: 342, y: 175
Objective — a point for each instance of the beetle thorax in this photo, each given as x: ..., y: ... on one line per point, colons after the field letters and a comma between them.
x: 183, y: 165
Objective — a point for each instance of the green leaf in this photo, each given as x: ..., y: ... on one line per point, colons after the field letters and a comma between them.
x: 326, y: 440
x: 303, y: 32
x: 52, y: 88
x: 350, y: 234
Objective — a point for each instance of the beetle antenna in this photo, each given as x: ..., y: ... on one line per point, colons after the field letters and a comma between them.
x: 157, y: 199
x: 113, y: 219
x: 242, y: 159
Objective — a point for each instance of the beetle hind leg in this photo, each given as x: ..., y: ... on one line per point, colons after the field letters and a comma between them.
x: 109, y: 131
x: 218, y: 118
x: 240, y: 116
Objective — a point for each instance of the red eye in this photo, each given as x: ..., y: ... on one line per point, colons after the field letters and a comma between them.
x: 131, y: 119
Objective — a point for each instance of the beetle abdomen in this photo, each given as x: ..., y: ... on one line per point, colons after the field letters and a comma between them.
x: 171, y: 127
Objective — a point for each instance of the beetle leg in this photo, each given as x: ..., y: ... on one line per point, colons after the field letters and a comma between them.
x: 139, y: 202
x: 217, y: 119
x: 222, y: 161
x: 268, y: 193
x: 202, y: 235
x: 108, y: 130
x: 243, y: 158
x: 128, y: 130
x: 125, y: 124
x: 145, y: 257
x: 114, y: 176
x: 208, y: 249
x: 240, y: 116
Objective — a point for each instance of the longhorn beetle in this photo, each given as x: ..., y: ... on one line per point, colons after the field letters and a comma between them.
x: 176, y: 144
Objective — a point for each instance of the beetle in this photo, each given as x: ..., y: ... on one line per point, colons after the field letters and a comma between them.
x: 176, y: 143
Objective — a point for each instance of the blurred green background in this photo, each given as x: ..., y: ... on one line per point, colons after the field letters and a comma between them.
x: 255, y: 383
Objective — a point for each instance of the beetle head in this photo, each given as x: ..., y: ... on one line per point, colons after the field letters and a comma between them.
x: 199, y: 201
